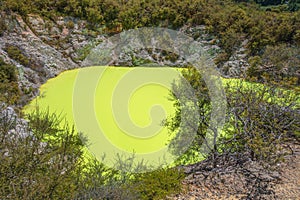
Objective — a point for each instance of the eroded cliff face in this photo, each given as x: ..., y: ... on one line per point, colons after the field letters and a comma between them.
x: 49, y: 46
x: 55, y: 45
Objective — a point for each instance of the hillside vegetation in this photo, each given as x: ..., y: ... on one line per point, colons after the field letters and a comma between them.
x: 266, y: 30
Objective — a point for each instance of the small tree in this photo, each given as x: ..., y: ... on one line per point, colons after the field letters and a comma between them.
x: 259, y: 118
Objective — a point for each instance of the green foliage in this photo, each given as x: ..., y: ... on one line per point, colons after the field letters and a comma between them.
x: 44, y: 169
x: 158, y: 184
x: 9, y: 89
x: 3, y: 26
x: 84, y: 51
x: 253, y: 70
x: 15, y: 53
x: 45, y: 160
x: 8, y: 73
x: 278, y: 65
x: 139, y: 61
x: 292, y: 5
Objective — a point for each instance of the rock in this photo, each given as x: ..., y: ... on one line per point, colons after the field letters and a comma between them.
x: 35, y: 41
x: 38, y: 24
x: 17, y: 127
x: 8, y: 117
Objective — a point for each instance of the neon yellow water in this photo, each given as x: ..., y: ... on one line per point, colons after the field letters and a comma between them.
x: 117, y: 108
x: 129, y: 105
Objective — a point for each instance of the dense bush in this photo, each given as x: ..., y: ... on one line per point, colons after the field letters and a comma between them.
x: 259, y: 120
x: 9, y: 89
x: 279, y: 65
x: 45, y: 167
x: 158, y: 184
x: 15, y: 53
x: 3, y: 26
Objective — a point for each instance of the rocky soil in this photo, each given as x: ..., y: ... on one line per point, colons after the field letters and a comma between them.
x: 249, y: 181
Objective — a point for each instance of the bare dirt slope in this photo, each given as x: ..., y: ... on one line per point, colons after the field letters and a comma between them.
x: 282, y: 183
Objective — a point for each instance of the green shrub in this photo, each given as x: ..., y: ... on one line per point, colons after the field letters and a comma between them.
x: 9, y: 93
x: 278, y: 65
x: 8, y: 73
x: 70, y: 24
x: 159, y: 184
x: 47, y: 169
x: 253, y: 70
x: 3, y: 26
x: 84, y: 51
x: 259, y: 120
x: 15, y: 53
x: 9, y: 89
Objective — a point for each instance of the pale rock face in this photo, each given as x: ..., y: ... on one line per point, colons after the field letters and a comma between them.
x: 18, y: 127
